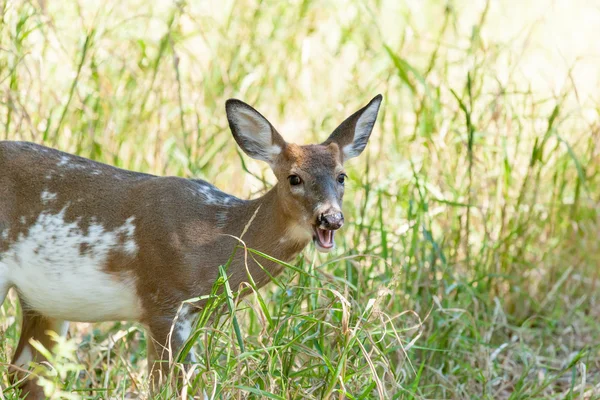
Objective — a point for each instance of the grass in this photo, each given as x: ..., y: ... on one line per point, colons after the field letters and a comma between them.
x: 469, y: 264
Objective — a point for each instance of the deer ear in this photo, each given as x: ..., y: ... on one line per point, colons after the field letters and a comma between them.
x: 253, y: 132
x: 352, y: 134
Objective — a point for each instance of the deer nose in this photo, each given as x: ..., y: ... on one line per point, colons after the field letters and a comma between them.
x: 331, y: 220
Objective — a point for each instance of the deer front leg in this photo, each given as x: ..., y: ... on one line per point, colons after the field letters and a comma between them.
x: 166, y: 337
x: 34, y: 326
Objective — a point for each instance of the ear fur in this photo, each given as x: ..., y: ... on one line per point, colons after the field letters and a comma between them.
x: 353, y: 134
x: 253, y: 133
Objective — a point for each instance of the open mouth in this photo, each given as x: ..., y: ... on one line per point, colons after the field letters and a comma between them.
x: 323, y: 238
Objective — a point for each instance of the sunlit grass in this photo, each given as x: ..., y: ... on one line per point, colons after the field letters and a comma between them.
x: 468, y: 267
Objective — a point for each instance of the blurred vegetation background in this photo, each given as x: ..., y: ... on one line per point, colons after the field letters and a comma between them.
x: 469, y: 264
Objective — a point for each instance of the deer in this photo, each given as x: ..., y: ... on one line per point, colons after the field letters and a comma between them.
x: 88, y: 242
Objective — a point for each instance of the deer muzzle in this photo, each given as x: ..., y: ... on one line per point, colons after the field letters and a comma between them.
x: 325, y: 228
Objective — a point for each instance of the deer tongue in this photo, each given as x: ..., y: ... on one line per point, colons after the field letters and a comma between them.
x: 325, y: 237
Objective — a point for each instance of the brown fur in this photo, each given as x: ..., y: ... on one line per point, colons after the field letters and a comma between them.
x: 182, y: 237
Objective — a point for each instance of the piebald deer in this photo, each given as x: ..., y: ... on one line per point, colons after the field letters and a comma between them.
x: 84, y: 241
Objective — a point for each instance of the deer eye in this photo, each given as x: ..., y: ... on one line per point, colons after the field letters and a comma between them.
x: 294, y: 180
x: 342, y: 179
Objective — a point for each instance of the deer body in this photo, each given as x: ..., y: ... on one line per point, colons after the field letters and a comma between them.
x: 85, y: 241
x: 78, y: 254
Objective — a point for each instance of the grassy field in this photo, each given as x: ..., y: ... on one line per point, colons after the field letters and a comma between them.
x: 468, y: 267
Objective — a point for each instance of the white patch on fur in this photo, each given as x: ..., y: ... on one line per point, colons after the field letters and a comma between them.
x: 256, y: 134
x: 212, y: 196
x: 222, y: 218
x: 184, y: 329
x: 207, y: 194
x: 184, y: 326
x: 362, y: 130
x: 128, y: 229
x: 296, y: 233
x: 23, y: 219
x: 24, y: 358
x: 76, y: 163
x: 323, y: 207
x: 298, y: 190
x: 61, y: 280
x: 4, y: 234
x: 64, y: 160
x: 47, y: 196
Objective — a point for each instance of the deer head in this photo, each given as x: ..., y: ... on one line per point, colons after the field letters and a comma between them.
x: 311, y: 177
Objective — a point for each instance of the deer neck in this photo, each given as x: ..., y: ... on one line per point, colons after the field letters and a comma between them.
x: 267, y: 225
x: 274, y: 228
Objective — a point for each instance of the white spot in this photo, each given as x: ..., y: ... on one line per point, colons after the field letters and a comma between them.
x: 212, y: 196
x: 320, y: 206
x: 64, y: 160
x: 128, y: 229
x: 184, y: 325
x: 61, y: 280
x: 4, y: 234
x: 23, y: 219
x: 76, y: 163
x: 222, y: 219
x: 24, y: 358
x: 327, y: 206
x: 297, y: 233
x: 47, y: 196
x: 96, y: 172
x: 208, y: 194
x: 184, y: 329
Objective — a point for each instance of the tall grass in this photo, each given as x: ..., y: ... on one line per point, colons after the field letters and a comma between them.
x: 469, y: 264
